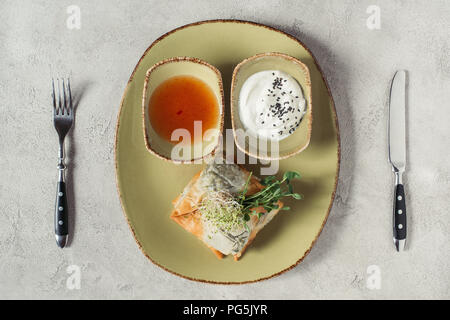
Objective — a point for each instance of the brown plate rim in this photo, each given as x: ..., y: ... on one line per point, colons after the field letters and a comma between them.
x: 337, y: 135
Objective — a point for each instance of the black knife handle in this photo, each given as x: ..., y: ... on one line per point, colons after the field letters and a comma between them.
x: 399, y: 213
x: 61, y: 210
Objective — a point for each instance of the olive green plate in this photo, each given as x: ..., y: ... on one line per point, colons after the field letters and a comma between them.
x: 147, y: 184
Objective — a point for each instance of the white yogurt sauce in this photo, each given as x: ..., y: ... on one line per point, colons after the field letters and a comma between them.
x: 271, y: 104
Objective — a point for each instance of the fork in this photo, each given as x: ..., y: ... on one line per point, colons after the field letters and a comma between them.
x: 62, y: 119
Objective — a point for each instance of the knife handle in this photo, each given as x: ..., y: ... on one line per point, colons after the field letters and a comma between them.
x: 399, y: 217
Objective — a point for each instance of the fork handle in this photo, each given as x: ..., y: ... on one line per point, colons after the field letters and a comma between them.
x: 61, y: 210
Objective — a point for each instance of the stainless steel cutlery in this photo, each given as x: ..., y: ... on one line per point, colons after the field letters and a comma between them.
x: 63, y: 114
x: 397, y: 154
x: 63, y: 117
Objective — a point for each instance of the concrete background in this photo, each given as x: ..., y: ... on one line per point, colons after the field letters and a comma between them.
x: 35, y: 45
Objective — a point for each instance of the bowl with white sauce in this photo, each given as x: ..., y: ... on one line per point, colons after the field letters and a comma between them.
x: 271, y: 106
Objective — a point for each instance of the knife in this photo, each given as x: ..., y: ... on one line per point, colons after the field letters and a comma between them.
x: 397, y: 154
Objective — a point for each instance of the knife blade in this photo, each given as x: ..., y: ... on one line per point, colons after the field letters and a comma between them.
x: 397, y: 154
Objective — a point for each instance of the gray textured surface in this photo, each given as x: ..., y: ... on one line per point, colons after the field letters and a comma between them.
x: 358, y: 63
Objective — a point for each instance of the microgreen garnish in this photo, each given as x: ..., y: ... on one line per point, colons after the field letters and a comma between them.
x: 228, y: 212
x: 222, y: 210
x: 268, y: 197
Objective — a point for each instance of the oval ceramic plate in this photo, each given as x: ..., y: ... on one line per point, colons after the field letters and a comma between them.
x: 147, y: 184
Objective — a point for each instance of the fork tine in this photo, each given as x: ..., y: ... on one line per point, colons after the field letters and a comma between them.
x: 59, y: 98
x: 64, y: 96
x: 53, y: 95
x: 70, y: 96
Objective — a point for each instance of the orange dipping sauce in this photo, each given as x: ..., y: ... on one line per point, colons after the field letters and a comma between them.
x: 178, y: 102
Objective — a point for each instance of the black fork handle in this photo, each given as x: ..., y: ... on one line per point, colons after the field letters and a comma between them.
x: 61, y: 210
x: 61, y: 207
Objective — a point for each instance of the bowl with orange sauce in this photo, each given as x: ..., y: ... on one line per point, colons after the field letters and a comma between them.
x: 183, y: 109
